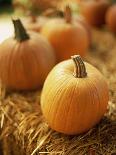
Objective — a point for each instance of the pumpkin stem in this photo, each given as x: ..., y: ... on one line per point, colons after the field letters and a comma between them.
x: 20, y: 31
x: 80, y: 69
x: 68, y: 14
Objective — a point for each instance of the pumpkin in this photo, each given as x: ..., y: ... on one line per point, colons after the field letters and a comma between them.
x: 66, y: 36
x: 74, y: 96
x: 44, y: 4
x: 33, y: 22
x: 94, y: 11
x: 76, y: 18
x: 25, y: 59
x: 36, y: 23
x: 41, y: 5
x: 111, y: 18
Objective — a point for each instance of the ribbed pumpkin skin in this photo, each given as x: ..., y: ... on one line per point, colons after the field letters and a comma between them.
x: 111, y: 18
x: 66, y: 38
x: 25, y: 65
x: 73, y: 105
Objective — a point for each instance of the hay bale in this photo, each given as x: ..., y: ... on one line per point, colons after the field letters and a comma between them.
x: 25, y: 132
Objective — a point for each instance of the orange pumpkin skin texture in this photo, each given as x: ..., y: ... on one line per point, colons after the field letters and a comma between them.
x: 72, y: 103
x: 111, y: 18
x: 24, y: 64
x: 66, y: 38
x: 94, y: 11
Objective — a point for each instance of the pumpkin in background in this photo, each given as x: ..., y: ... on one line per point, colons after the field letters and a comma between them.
x: 74, y: 99
x: 25, y: 60
x: 36, y: 23
x: 94, y: 11
x: 66, y: 36
x: 77, y: 17
x: 39, y: 5
x: 45, y: 4
x: 33, y: 21
x: 111, y: 18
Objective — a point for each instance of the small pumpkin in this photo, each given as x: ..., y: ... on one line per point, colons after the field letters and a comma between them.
x: 66, y: 36
x: 36, y: 23
x: 74, y: 98
x: 94, y: 11
x: 76, y: 18
x: 45, y: 4
x: 39, y: 5
x: 111, y: 18
x: 25, y: 59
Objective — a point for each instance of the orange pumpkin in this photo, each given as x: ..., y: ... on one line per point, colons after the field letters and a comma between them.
x: 74, y: 99
x: 66, y: 36
x: 111, y: 18
x: 25, y: 60
x: 94, y: 11
x: 36, y: 23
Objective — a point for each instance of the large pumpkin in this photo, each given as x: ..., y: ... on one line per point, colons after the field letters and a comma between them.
x: 74, y: 99
x: 66, y: 36
x: 25, y: 59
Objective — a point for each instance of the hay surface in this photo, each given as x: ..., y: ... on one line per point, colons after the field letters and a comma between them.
x: 25, y: 132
